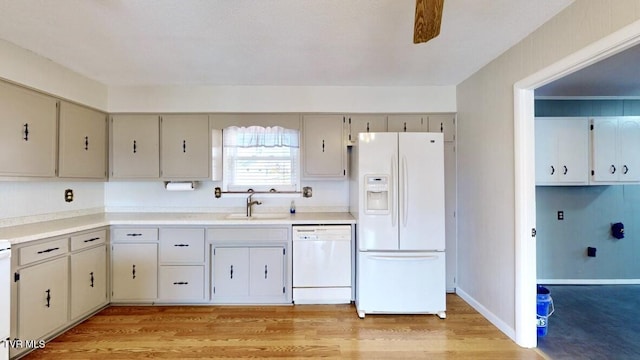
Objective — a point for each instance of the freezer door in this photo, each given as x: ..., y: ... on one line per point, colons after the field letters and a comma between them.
x: 421, y: 191
x: 378, y: 156
x: 401, y: 282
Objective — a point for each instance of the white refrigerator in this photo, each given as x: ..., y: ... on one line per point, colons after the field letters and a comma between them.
x: 397, y: 198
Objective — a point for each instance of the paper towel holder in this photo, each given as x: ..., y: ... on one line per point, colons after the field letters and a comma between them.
x: 180, y: 185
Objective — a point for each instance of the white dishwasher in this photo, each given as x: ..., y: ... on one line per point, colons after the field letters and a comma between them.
x: 322, y: 264
x: 5, y: 310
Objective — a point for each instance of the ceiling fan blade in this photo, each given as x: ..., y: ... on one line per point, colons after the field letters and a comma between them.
x: 428, y: 19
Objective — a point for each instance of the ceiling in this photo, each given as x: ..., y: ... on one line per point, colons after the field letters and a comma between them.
x: 268, y: 42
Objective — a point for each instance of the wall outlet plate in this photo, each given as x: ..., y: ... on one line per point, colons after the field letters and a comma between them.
x: 68, y: 195
x: 560, y: 215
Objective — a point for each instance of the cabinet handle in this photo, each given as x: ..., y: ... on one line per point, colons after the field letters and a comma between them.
x: 625, y: 169
x: 553, y: 170
x: 368, y: 130
x: 135, y: 146
x: 26, y: 132
x: 181, y: 245
x: 405, y: 126
x: 181, y: 283
x: 91, y: 276
x: 184, y: 146
x: 91, y: 240
x: 231, y: 272
x: 134, y: 234
x: 322, y: 145
x: 133, y: 271
x: 612, y: 169
x: 48, y: 297
x: 86, y: 143
x: 265, y: 271
x: 48, y: 250
x: 565, y: 170
x: 441, y: 127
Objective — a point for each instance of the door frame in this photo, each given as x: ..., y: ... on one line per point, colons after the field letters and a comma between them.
x: 524, y: 168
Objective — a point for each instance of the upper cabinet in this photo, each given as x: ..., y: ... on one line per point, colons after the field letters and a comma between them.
x: 27, y: 133
x: 356, y: 124
x: 562, y: 151
x: 184, y: 147
x: 443, y: 123
x: 615, y: 146
x: 407, y: 123
x: 82, y: 143
x: 324, y: 152
x: 135, y: 147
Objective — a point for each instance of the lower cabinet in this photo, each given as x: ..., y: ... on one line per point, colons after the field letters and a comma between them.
x: 182, y: 283
x: 88, y: 280
x: 250, y: 265
x: 134, y: 272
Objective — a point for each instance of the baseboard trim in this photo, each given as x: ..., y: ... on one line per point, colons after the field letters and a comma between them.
x: 589, y: 281
x: 495, y: 320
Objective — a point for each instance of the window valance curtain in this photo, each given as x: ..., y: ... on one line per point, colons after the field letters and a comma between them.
x: 258, y: 136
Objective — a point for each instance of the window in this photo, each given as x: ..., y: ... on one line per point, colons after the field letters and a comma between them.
x: 261, y: 158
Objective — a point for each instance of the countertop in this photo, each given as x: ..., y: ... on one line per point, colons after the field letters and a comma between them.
x: 41, y: 230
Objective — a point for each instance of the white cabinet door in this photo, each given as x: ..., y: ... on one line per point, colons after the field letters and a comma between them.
x: 364, y: 123
x: 43, y: 292
x: 83, y: 142
x: 134, y: 272
x: 28, y: 145
x: 135, y: 147
x: 615, y: 148
x: 406, y: 123
x: 562, y: 151
x: 88, y: 280
x: 324, y: 153
x: 181, y: 283
x: 231, y: 272
x: 267, y: 271
x: 184, y: 147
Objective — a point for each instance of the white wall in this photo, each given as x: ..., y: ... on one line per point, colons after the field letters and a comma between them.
x: 486, y: 229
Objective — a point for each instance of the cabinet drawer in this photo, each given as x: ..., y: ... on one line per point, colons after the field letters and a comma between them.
x: 49, y: 249
x: 135, y: 234
x: 87, y: 240
x: 182, y: 283
x: 182, y: 245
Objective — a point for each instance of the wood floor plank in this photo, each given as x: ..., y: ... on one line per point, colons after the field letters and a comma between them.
x: 293, y: 332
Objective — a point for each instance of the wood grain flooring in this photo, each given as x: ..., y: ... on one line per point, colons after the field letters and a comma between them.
x: 302, y: 331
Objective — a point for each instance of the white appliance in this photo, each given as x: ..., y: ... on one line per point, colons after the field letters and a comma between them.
x: 5, y: 291
x: 397, y: 198
x: 322, y: 264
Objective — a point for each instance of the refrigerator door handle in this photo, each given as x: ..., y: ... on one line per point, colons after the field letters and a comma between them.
x: 394, y: 205
x: 405, y: 191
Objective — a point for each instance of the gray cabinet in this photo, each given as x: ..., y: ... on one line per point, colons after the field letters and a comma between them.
x: 324, y: 152
x: 364, y: 123
x: 28, y: 133
x: 88, y: 280
x: 134, y: 272
x: 82, y: 143
x: 135, y: 147
x: 184, y: 147
x: 181, y: 273
x: 407, y: 123
x: 443, y: 123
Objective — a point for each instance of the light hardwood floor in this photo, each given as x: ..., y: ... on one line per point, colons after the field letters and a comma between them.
x: 302, y: 331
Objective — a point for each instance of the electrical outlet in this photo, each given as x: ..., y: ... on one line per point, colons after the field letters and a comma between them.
x: 560, y: 215
x: 68, y: 195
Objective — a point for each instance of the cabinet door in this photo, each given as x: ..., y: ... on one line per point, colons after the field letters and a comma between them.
x: 185, y: 147
x: 134, y: 271
x: 324, y: 151
x: 231, y: 272
x: 267, y: 271
x: 572, y: 136
x: 364, y: 123
x: 443, y: 123
x: 27, y: 133
x: 88, y: 280
x: 629, y: 149
x: 406, y: 123
x: 184, y: 283
x: 83, y: 142
x: 604, y: 147
x: 135, y: 147
x: 43, y: 292
x: 546, y: 151
x: 181, y: 245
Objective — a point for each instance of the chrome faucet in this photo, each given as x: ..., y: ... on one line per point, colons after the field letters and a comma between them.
x: 250, y: 204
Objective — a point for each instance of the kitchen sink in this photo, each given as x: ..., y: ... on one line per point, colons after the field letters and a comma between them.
x: 265, y: 216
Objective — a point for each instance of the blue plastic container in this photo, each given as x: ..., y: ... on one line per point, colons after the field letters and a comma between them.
x: 544, y: 309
